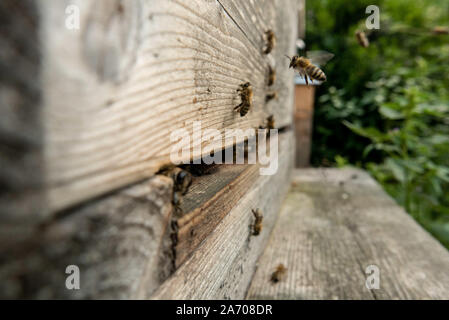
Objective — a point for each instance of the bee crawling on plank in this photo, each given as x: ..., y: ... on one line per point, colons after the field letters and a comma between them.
x: 271, y: 76
x: 270, y: 96
x: 270, y: 41
x: 279, y: 273
x: 270, y: 122
x: 257, y: 227
x: 246, y: 95
x: 182, y: 180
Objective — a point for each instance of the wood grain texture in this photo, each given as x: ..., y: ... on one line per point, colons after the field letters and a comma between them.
x: 303, y: 118
x: 135, y: 72
x: 256, y: 17
x: 120, y: 244
x: 208, y: 200
x: 333, y: 224
x: 222, y: 266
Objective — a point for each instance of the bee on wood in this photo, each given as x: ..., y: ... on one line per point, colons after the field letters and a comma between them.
x: 182, y: 180
x: 279, y: 273
x: 270, y: 41
x: 271, y: 76
x: 362, y: 39
x: 270, y: 96
x: 306, y: 67
x: 270, y: 122
x: 257, y: 227
x: 246, y: 95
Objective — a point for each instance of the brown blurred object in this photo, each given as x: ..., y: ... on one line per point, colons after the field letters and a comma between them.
x: 362, y: 39
x: 440, y: 30
x: 304, y: 101
x: 279, y: 273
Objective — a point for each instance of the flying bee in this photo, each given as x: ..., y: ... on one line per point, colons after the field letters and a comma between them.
x: 270, y: 41
x: 440, y: 30
x: 271, y: 76
x: 362, y: 39
x: 306, y: 66
x: 246, y: 95
x: 270, y: 96
x: 257, y: 227
x: 279, y: 273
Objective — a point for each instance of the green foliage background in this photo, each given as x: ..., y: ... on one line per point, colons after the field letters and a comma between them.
x: 385, y: 108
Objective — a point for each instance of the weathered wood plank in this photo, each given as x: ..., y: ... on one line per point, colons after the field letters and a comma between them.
x: 135, y: 72
x: 120, y: 244
x: 21, y: 131
x: 214, y: 196
x: 303, y: 117
x: 254, y: 18
x: 222, y: 266
x: 334, y: 224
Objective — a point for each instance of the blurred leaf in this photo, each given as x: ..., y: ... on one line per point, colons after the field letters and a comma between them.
x: 390, y: 113
x: 396, y: 169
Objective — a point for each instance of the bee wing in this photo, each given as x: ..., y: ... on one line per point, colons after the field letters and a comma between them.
x: 319, y: 57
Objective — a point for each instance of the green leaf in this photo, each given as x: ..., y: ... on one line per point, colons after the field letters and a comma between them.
x: 396, y: 169
x: 390, y: 113
x: 370, y: 133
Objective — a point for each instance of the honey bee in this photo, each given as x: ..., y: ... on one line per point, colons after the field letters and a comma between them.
x: 182, y: 180
x: 246, y: 95
x: 271, y: 41
x: 271, y: 76
x: 362, y: 39
x: 279, y: 273
x: 257, y: 227
x: 306, y: 67
x: 270, y: 96
x: 270, y: 122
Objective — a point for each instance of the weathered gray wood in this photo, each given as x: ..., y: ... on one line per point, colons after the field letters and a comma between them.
x: 21, y: 132
x: 333, y: 224
x: 222, y: 266
x: 137, y: 71
x: 303, y: 118
x: 120, y: 244
x: 254, y: 18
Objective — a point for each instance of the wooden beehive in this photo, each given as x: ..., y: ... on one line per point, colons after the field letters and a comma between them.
x: 90, y: 115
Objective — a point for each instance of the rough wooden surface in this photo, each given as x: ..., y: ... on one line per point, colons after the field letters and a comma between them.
x: 254, y: 18
x: 21, y: 132
x: 208, y: 200
x: 119, y: 243
x: 334, y: 224
x: 222, y: 266
x: 136, y: 71
x: 303, y: 118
